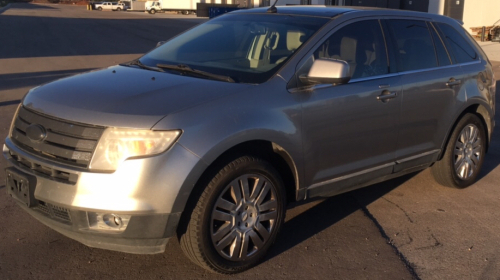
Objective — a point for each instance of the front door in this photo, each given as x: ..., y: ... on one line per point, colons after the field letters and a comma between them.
x: 350, y: 130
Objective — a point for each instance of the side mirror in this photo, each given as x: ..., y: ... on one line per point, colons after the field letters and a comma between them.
x: 160, y: 43
x: 327, y: 71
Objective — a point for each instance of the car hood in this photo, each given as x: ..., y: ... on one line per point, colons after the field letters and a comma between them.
x: 122, y: 96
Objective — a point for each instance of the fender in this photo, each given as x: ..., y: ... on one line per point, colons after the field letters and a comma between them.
x: 271, y: 114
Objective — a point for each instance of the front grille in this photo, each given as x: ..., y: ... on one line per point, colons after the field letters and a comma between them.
x: 65, y: 142
x: 44, y: 171
x: 55, y: 212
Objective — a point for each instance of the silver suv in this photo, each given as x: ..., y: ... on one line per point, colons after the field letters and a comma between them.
x: 208, y: 136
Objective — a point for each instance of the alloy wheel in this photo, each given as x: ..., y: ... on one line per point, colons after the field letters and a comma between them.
x: 244, y: 216
x: 468, y: 149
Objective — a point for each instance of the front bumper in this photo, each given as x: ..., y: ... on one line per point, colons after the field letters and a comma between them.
x: 144, y: 189
x: 147, y: 234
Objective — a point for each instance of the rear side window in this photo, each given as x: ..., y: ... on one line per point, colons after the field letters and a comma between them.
x: 442, y: 54
x: 456, y: 43
x: 414, y: 45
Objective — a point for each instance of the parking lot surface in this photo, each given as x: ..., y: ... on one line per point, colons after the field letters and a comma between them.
x: 407, y: 228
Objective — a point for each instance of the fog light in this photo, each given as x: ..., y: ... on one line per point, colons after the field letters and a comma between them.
x: 107, y: 221
x: 112, y: 220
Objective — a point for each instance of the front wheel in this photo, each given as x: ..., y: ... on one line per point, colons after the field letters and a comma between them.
x: 236, y: 218
x: 464, y: 154
x: 100, y: 8
x: 118, y: 9
x: 152, y: 11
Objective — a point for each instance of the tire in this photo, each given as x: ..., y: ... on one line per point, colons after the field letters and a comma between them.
x: 464, y: 154
x: 152, y: 11
x: 100, y: 8
x: 118, y: 9
x: 225, y: 216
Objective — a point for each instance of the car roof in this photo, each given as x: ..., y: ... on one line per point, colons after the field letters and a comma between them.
x: 308, y: 10
x: 331, y: 11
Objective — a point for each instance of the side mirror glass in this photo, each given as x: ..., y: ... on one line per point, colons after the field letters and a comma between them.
x: 327, y: 71
x: 160, y: 43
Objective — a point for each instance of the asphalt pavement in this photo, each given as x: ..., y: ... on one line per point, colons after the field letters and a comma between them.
x: 406, y: 228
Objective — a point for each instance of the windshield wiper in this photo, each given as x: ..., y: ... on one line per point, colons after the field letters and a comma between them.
x: 182, y: 68
x: 137, y: 62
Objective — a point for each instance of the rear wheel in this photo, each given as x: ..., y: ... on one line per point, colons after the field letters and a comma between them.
x: 100, y: 8
x: 236, y: 218
x: 118, y: 9
x: 464, y: 154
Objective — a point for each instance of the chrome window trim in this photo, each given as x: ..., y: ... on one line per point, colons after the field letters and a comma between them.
x: 322, y: 86
x: 470, y: 63
x: 413, y: 71
x: 373, y: 78
x: 429, y: 69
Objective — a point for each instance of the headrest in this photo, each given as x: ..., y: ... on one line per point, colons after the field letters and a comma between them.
x: 348, y: 49
x: 294, y: 38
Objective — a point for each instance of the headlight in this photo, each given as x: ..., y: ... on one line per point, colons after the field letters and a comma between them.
x: 116, y: 145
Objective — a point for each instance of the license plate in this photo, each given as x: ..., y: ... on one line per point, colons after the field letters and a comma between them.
x: 21, y: 186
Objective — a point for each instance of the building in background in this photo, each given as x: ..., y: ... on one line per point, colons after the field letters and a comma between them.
x: 473, y: 13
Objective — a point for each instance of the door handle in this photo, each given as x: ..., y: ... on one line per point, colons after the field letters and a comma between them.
x: 453, y: 82
x: 386, y: 96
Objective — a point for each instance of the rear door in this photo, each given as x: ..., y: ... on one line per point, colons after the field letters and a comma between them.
x: 431, y: 84
x: 463, y: 54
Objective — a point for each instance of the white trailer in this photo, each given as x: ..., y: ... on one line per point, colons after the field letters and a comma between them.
x: 183, y: 6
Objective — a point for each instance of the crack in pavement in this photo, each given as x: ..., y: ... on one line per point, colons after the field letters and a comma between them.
x: 400, y: 208
x: 402, y: 257
x: 410, y: 239
x: 436, y: 243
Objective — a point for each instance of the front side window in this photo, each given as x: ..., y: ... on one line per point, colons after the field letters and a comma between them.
x: 362, y: 45
x: 461, y: 49
x: 249, y: 48
x: 414, y: 45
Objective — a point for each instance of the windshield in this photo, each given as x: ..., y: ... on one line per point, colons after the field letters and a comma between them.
x: 249, y: 48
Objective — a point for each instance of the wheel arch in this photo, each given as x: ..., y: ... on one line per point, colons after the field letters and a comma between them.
x: 267, y: 150
x: 277, y: 156
x: 484, y: 115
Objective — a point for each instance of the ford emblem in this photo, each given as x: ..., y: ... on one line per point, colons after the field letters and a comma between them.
x: 36, y: 133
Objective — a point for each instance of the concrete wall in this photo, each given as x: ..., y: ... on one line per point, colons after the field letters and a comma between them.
x: 481, y: 13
